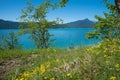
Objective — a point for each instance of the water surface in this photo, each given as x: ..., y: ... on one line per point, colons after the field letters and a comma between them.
x: 64, y: 38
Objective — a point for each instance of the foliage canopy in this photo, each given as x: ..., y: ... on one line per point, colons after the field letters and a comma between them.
x: 107, y: 27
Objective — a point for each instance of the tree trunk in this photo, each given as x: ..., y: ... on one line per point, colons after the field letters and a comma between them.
x: 117, y: 3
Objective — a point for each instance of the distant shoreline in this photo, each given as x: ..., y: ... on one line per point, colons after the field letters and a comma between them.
x: 48, y: 28
x: 85, y: 23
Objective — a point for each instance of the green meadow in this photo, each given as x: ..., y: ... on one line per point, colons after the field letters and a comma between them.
x: 101, y: 62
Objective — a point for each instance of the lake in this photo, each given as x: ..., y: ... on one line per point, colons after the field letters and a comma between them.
x: 64, y: 38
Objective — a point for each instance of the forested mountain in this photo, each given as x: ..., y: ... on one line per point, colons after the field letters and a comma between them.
x: 8, y: 24
x: 85, y: 23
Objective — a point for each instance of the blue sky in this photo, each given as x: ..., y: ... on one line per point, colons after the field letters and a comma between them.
x: 74, y: 10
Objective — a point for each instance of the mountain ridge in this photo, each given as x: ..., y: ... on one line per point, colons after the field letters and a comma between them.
x: 85, y: 23
x: 4, y: 24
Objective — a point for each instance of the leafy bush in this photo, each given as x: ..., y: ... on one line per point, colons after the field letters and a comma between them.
x: 10, y: 42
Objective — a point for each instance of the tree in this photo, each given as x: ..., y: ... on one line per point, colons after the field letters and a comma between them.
x: 36, y: 24
x: 117, y: 4
x: 62, y: 3
x: 10, y: 42
x: 107, y: 27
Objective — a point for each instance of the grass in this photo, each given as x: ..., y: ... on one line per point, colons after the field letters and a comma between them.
x: 84, y: 63
x: 27, y: 60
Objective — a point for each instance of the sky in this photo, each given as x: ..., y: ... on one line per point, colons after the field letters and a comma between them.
x: 73, y: 11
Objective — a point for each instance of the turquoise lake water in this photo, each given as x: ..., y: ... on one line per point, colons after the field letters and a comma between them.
x: 64, y: 38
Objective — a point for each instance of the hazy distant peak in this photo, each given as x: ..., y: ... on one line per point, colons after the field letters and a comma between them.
x: 86, y: 19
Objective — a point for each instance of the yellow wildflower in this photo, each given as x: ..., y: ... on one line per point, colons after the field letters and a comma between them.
x: 26, y: 75
x: 17, y: 79
x: 105, y: 56
x: 57, y: 60
x: 88, y: 49
x: 21, y: 78
x: 109, y: 57
x: 47, y: 65
x: 112, y: 78
x: 52, y: 78
x: 45, y: 77
x: 105, y: 50
x: 35, y: 70
x: 42, y: 68
x: 68, y: 74
x: 117, y: 65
